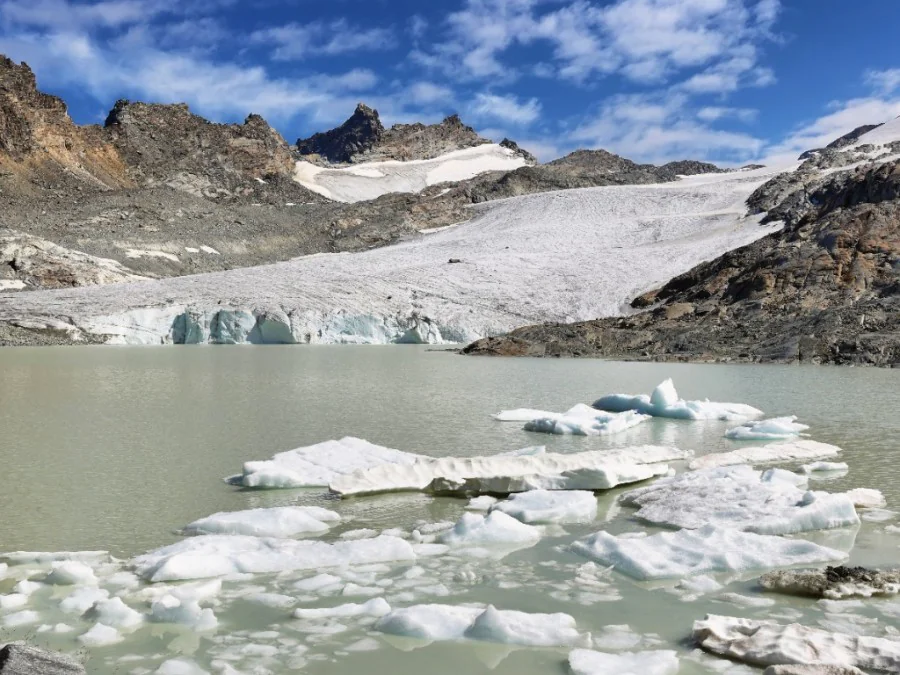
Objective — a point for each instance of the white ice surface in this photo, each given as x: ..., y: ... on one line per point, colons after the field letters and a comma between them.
x: 824, y: 467
x: 100, y: 636
x: 671, y: 555
x: 495, y: 529
x: 764, y: 643
x: 739, y: 497
x: 449, y: 622
x: 787, y: 451
x: 665, y: 402
x: 217, y: 555
x: 115, y: 613
x: 545, y: 506
x: 369, y: 180
x: 593, y: 470
x: 772, y: 429
x: 867, y: 498
x: 589, y: 662
x: 279, y: 521
x: 559, y: 256
x: 318, y: 465
x: 70, y: 572
x: 376, y: 607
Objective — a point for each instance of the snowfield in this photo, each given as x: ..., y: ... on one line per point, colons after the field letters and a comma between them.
x: 369, y: 180
x: 561, y: 256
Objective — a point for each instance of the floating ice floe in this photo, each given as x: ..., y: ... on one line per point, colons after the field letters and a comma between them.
x: 581, y: 420
x: 671, y: 555
x: 495, y: 529
x: 376, y: 607
x: 765, y: 643
x: 772, y: 429
x: 867, y: 498
x: 218, y: 555
x: 115, y: 613
x: 448, y: 622
x: 482, y: 503
x: 825, y: 467
x: 833, y: 583
x: 503, y: 474
x: 589, y: 662
x: 101, y: 636
x: 280, y: 521
x: 70, y: 573
x: 545, y: 506
x: 178, y: 609
x: 318, y: 465
x: 46, y: 557
x: 788, y: 451
x: 664, y: 402
x: 739, y: 497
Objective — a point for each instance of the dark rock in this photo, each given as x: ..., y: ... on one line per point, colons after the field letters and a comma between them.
x: 524, y: 154
x: 454, y: 260
x: 690, y: 167
x: 358, y: 134
x: 17, y: 658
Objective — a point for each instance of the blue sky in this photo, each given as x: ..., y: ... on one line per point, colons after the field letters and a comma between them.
x: 726, y: 80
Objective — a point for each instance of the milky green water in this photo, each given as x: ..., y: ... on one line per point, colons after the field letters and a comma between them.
x: 115, y: 448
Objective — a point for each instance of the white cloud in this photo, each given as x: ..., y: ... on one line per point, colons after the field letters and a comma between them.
x: 61, y: 14
x: 884, y: 81
x: 713, y: 113
x: 505, y: 108
x: 295, y: 41
x: 424, y: 92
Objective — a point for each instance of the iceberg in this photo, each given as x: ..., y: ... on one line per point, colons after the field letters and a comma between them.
x: 70, y: 572
x: 581, y: 420
x: 825, y: 467
x: 503, y: 474
x: 545, y: 506
x: 280, y: 521
x: 376, y: 607
x: 664, y: 402
x: 448, y: 622
x: 115, y: 613
x: 318, y: 465
x: 773, y: 429
x: 671, y: 555
x: 765, y: 643
x: 739, y: 497
x: 789, y: 451
x: 833, y: 583
x: 217, y: 555
x: 589, y: 662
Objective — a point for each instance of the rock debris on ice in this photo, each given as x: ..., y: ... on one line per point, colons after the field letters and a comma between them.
x: 773, y: 429
x: 833, y: 583
x: 280, y: 521
x: 664, y: 402
x: 670, y: 555
x: 788, y: 451
x: 765, y: 502
x: 765, y: 643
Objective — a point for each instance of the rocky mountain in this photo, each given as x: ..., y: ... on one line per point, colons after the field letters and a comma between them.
x: 363, y: 138
x: 824, y: 289
x: 690, y: 167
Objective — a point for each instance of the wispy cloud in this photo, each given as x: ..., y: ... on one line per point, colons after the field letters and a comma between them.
x: 506, y: 108
x: 884, y: 81
x: 295, y: 41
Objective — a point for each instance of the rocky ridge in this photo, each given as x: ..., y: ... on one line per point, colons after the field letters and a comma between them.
x: 824, y: 289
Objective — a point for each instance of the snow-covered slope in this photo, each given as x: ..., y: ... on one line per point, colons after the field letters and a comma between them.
x: 559, y: 256
x: 882, y: 135
x: 369, y: 180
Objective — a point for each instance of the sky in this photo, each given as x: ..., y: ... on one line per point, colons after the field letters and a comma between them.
x: 731, y: 81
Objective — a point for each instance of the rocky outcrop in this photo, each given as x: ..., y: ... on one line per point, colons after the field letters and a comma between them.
x: 690, y: 167
x: 357, y: 135
x: 841, y: 142
x: 18, y: 658
x: 362, y: 138
x: 522, y: 152
x: 825, y: 289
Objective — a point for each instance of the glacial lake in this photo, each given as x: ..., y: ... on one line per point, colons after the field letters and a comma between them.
x: 114, y: 449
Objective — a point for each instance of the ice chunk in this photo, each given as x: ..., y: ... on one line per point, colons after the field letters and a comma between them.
x: 664, y: 402
x: 671, y: 555
x: 584, y: 423
x: 13, y: 600
x: 739, y: 497
x: 482, y: 503
x: 317, y: 582
x: 543, y: 506
x: 280, y: 521
x: 495, y: 529
x: 834, y: 583
x: 815, y: 669
x: 100, y: 636
x: 115, y: 613
x: 44, y: 557
x: 771, y: 429
x: 598, y: 470
x: 23, y: 618
x: 521, y: 415
x: 27, y: 587
x: 824, y: 467
x: 866, y: 498
x: 218, y: 555
x: 172, y: 608
x: 180, y: 667
x: 82, y: 599
x: 447, y: 622
x: 319, y: 465
x: 764, y: 643
x: 788, y: 451
x: 376, y: 607
x: 589, y: 662
x: 70, y: 572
